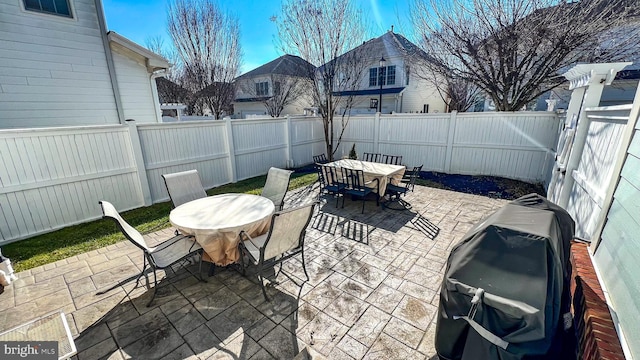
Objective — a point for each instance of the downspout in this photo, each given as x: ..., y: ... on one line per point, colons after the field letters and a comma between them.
x: 109, y: 57
x: 154, y: 93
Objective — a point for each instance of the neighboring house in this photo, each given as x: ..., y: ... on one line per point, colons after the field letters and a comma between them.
x: 275, y: 88
x: 59, y: 66
x: 402, y: 90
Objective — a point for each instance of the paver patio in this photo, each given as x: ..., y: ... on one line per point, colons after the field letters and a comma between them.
x: 372, y: 294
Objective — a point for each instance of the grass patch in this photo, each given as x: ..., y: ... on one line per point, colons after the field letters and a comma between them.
x: 78, y: 239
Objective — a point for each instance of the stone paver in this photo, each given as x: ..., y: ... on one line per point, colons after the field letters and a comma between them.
x: 372, y: 293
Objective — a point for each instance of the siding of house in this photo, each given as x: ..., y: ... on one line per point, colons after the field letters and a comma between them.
x: 138, y: 101
x: 53, y: 70
x: 417, y: 94
x: 619, y: 248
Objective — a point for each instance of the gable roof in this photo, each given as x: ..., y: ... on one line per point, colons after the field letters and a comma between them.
x: 289, y: 65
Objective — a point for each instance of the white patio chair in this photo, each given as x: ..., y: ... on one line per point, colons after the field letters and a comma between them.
x: 184, y: 186
x: 284, y: 240
x: 276, y: 186
x: 162, y: 256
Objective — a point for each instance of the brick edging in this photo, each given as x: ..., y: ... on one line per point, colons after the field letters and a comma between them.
x: 597, y: 336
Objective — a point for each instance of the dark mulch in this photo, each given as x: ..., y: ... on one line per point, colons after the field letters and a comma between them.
x: 491, y: 186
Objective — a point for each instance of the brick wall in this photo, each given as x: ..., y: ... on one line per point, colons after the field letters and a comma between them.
x: 597, y: 337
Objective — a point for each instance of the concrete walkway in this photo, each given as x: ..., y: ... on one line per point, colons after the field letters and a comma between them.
x: 373, y: 292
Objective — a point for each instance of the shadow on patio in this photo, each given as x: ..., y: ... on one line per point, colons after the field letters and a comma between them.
x: 372, y: 293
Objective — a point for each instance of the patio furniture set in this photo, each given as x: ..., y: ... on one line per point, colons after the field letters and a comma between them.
x: 213, y: 227
x: 381, y: 176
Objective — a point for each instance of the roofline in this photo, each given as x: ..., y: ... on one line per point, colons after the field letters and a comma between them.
x: 154, y: 61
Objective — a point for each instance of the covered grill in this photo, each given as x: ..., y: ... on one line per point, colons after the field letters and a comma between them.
x: 506, y: 287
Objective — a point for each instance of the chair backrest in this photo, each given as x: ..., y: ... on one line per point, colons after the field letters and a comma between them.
x: 392, y: 159
x: 332, y: 175
x: 276, y: 186
x: 354, y: 178
x: 320, y: 159
x: 109, y: 211
x: 414, y: 176
x: 184, y: 186
x: 372, y: 157
x: 287, y: 230
x: 322, y: 178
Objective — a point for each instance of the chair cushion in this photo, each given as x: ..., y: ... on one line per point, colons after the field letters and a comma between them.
x: 395, y: 189
x: 253, y: 250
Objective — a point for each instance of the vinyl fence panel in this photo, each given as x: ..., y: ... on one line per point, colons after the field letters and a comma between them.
x: 54, y: 177
x: 174, y: 147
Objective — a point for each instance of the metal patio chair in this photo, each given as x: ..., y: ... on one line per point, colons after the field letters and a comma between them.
x: 183, y: 187
x: 371, y: 157
x: 320, y: 159
x: 406, y: 185
x: 357, y: 187
x: 392, y: 159
x: 276, y: 186
x: 284, y: 240
x: 330, y: 181
x: 162, y: 256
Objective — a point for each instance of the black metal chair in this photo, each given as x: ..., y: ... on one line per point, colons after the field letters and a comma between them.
x: 357, y: 187
x: 320, y: 159
x: 371, y: 157
x: 392, y: 159
x: 330, y: 181
x: 406, y: 185
x: 284, y: 240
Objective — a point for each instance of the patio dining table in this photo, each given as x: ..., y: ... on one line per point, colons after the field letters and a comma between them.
x: 216, y: 222
x: 383, y: 172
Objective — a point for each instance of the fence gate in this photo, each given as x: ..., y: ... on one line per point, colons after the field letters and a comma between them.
x: 588, y: 143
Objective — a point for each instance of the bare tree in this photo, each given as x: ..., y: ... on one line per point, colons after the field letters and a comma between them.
x: 516, y: 50
x: 207, y: 42
x: 322, y: 32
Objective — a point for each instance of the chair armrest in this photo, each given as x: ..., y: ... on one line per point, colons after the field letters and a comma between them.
x: 243, y: 233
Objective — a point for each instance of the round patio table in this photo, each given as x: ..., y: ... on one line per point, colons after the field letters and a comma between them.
x: 216, y: 222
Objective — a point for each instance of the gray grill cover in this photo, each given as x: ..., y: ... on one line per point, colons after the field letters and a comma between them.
x: 519, y: 256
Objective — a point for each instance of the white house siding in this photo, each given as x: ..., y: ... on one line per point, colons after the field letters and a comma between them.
x: 242, y: 109
x: 619, y: 250
x: 53, y: 70
x: 138, y: 101
x: 419, y: 93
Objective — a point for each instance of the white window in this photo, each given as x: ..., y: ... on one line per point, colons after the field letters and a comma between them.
x: 55, y: 7
x: 386, y: 75
x: 262, y: 88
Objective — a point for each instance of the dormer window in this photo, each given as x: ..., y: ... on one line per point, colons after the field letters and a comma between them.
x: 262, y: 88
x: 54, y: 7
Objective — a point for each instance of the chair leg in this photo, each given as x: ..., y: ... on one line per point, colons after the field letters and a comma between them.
x: 304, y: 267
x: 155, y: 288
x: 261, y: 278
x: 362, y: 205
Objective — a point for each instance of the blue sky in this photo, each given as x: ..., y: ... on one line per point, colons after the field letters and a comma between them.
x: 139, y: 20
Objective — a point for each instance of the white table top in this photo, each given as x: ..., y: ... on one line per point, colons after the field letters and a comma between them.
x: 221, y: 212
x: 368, y: 167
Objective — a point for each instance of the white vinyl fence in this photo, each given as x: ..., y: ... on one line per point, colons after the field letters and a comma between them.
x: 515, y: 145
x: 54, y: 177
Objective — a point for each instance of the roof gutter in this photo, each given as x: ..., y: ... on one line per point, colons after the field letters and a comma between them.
x: 102, y: 25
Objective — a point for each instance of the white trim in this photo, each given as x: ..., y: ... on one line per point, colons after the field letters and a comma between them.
x: 154, y: 61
